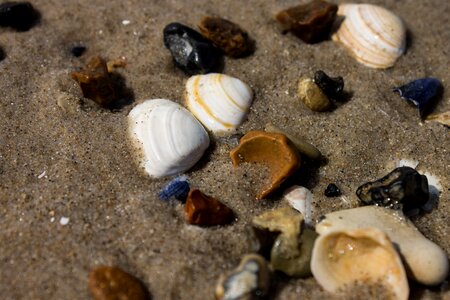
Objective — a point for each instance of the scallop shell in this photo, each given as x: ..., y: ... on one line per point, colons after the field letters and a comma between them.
x: 219, y: 101
x: 364, y: 255
x: 375, y: 36
x: 168, y: 137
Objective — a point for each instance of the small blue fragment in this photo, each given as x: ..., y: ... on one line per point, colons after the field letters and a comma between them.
x: 177, y: 188
x: 420, y: 92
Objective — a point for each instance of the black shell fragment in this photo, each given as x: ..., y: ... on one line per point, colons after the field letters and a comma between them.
x: 421, y: 92
x: 18, y: 15
x: 332, y: 190
x: 331, y: 86
x: 191, y: 52
x: 403, y: 188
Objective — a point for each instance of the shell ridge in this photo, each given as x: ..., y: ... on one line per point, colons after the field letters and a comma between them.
x: 219, y: 81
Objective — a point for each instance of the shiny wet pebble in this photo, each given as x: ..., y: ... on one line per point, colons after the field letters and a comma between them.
x: 331, y: 86
x: 203, y: 210
x: 332, y: 190
x: 191, y: 52
x: 18, y: 15
x: 178, y: 188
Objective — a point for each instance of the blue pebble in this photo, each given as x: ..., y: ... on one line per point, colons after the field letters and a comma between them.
x: 177, y: 188
x: 420, y: 92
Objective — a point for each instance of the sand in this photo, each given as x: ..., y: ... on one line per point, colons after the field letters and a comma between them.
x: 77, y: 162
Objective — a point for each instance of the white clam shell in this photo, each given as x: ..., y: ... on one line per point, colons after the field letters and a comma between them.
x: 364, y: 255
x: 300, y: 198
x: 426, y: 262
x: 219, y: 101
x: 169, y: 138
x: 375, y: 36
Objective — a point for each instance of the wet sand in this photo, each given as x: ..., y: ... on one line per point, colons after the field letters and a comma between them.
x: 78, y: 163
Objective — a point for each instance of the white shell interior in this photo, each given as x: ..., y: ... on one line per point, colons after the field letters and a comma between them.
x: 300, y: 198
x: 219, y: 101
x: 169, y: 138
x: 373, y: 34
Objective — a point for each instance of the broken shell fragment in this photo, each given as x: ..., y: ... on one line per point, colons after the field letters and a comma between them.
x: 443, y: 118
x: 310, y: 22
x: 249, y: 281
x: 424, y: 261
x: 375, y: 36
x: 403, y: 188
x: 363, y: 255
x: 300, y: 198
x: 220, y: 102
x: 95, y: 82
x: 421, y: 92
x: 331, y: 86
x: 168, y: 138
x: 227, y: 36
x: 177, y: 188
x: 302, y: 146
x: 203, y: 210
x: 271, y: 149
x: 312, y: 96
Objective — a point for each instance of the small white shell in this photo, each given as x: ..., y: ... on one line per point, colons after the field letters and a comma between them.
x: 375, y: 36
x: 219, y: 101
x: 364, y: 255
x: 300, y: 198
x: 168, y: 136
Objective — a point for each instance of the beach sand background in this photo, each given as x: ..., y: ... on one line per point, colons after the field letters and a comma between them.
x: 76, y: 161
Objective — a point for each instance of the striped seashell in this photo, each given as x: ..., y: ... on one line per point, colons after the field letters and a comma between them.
x: 167, y: 136
x: 375, y: 36
x: 219, y: 101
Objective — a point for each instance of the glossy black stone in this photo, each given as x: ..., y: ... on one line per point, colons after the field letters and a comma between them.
x: 421, y: 92
x: 403, y: 188
x: 331, y: 86
x: 332, y: 190
x: 178, y: 188
x: 18, y: 15
x: 191, y: 52
x: 77, y: 51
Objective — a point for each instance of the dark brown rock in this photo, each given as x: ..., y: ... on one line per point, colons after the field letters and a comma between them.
x: 95, y: 82
x: 206, y: 211
x: 111, y: 283
x: 311, y: 22
x: 227, y: 36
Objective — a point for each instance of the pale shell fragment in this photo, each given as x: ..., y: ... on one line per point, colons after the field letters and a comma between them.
x: 300, y: 198
x: 364, y: 255
x: 443, y: 118
x: 220, y: 102
x: 425, y: 261
x: 375, y: 36
x: 168, y: 138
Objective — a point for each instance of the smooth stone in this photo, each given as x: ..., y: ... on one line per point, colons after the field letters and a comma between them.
x: 332, y: 190
x: 111, y: 283
x: 331, y: 86
x: 191, y: 52
x: 424, y: 261
x: 204, y: 210
x: 312, y: 95
x: 18, y: 15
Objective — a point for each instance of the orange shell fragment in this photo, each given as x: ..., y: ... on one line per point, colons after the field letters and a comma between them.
x: 271, y: 149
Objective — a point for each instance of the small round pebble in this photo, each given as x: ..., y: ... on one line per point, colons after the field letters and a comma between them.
x: 18, y: 15
x: 332, y: 190
x: 77, y: 51
x: 312, y: 95
x: 111, y: 283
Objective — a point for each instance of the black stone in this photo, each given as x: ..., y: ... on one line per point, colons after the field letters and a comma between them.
x: 77, y: 51
x: 18, y: 15
x: 191, y: 52
x: 332, y: 190
x: 2, y: 54
x: 403, y: 188
x: 331, y: 86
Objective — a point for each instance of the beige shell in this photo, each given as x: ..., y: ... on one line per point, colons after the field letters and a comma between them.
x: 365, y: 255
x: 375, y: 36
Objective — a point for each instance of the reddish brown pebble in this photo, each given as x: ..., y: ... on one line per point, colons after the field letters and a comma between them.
x: 206, y: 211
x: 227, y: 36
x: 271, y: 149
x: 111, y: 283
x: 96, y: 83
x: 311, y: 22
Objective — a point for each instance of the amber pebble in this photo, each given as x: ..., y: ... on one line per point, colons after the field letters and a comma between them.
x: 311, y: 22
x: 95, y: 82
x: 227, y: 36
x: 111, y: 283
x: 206, y: 211
x: 271, y: 149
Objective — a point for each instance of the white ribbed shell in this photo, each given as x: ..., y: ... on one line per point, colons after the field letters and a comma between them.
x: 219, y: 101
x: 168, y: 136
x: 375, y: 36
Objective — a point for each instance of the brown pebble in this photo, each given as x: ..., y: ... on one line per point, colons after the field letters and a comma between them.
x: 206, y: 211
x: 271, y: 149
x: 227, y: 36
x: 111, y: 283
x: 310, y: 22
x: 95, y: 82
